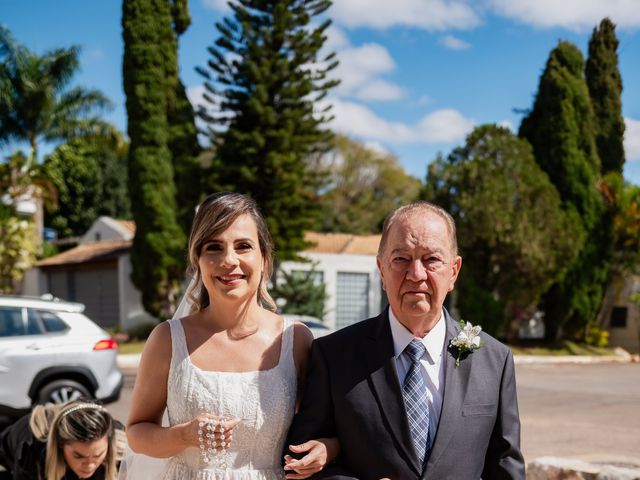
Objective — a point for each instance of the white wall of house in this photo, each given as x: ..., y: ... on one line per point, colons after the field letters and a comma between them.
x: 106, y: 228
x: 623, y: 322
x: 333, y: 268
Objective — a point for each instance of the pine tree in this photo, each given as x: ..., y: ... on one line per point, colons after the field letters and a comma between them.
x: 266, y: 73
x: 605, y: 88
x: 560, y: 128
x: 150, y: 76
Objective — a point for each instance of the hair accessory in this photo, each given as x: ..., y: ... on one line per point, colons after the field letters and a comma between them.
x: 212, y: 451
x: 82, y: 406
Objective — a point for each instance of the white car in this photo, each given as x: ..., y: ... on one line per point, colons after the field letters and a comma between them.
x: 51, y: 352
x: 317, y: 327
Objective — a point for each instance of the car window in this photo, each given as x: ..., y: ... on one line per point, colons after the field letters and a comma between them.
x: 51, y: 322
x: 11, y: 324
x: 33, y: 325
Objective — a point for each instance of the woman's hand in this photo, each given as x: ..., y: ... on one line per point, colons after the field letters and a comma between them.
x: 320, y: 452
x: 222, y: 430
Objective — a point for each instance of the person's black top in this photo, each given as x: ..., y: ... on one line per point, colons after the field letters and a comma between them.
x: 23, y: 456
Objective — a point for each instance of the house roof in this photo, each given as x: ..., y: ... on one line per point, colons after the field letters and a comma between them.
x: 87, y: 252
x: 128, y: 225
x: 344, y: 243
x: 338, y: 243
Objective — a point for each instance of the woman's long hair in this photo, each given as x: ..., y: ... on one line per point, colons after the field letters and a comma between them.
x: 77, y: 421
x: 215, y: 214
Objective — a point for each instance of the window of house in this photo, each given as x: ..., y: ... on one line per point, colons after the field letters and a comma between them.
x: 618, y: 317
x: 352, y: 299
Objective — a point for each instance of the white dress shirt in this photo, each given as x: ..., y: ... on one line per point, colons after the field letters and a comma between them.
x: 432, y: 363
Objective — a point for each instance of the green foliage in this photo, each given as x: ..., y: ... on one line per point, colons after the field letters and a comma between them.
x: 263, y: 81
x: 605, y: 88
x: 301, y: 293
x: 561, y: 129
x: 150, y: 75
x: 18, y: 248
x: 183, y: 143
x: 36, y: 100
x: 90, y: 174
x: 363, y: 187
x: 498, y: 196
x: 141, y: 332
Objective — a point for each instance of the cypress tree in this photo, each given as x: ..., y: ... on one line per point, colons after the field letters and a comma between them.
x: 605, y: 88
x: 150, y: 78
x: 266, y: 73
x: 560, y: 128
x: 183, y: 137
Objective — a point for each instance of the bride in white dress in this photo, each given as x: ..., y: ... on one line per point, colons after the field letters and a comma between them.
x: 231, y: 365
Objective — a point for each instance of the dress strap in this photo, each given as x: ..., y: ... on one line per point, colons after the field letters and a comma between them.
x: 178, y: 341
x: 286, y: 349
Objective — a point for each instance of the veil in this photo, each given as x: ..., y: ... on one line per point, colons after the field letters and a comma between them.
x: 137, y: 466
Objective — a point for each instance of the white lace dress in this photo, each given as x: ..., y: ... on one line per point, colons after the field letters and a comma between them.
x: 263, y: 400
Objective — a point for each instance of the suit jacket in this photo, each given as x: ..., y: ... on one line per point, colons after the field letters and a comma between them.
x: 353, y: 392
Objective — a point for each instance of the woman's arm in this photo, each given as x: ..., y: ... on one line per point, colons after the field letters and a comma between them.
x: 145, y: 432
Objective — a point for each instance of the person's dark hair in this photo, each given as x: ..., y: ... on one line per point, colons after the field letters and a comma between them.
x: 418, y: 206
x: 214, y: 215
x: 77, y: 421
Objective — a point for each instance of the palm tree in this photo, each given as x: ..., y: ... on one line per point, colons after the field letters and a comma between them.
x: 36, y: 100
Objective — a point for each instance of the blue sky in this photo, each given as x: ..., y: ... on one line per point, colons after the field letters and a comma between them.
x: 417, y: 75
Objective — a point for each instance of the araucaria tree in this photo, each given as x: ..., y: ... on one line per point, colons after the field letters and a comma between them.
x: 150, y: 75
x: 263, y: 82
x: 605, y: 88
x: 560, y: 128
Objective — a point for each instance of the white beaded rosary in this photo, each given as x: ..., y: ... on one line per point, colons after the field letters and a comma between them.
x: 211, y: 450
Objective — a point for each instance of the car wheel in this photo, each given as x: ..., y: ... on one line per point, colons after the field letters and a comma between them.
x: 62, y: 391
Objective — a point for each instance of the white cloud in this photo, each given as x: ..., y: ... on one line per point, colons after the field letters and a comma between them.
x: 379, y: 90
x: 578, y: 15
x: 336, y: 39
x: 358, y: 69
x: 195, y: 94
x: 440, y: 126
x: 632, y: 139
x: 434, y: 15
x: 507, y: 124
x: 377, y: 147
x: 454, y: 43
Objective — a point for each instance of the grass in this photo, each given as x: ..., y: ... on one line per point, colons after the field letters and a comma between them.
x: 566, y: 347
x: 563, y: 348
x: 131, y: 347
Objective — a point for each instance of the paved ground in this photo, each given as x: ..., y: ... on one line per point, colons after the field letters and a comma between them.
x: 588, y: 412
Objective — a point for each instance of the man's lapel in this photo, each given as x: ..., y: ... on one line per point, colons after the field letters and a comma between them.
x: 387, y: 390
x: 455, y: 388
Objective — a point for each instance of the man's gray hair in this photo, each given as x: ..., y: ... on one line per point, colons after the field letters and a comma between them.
x: 419, y: 206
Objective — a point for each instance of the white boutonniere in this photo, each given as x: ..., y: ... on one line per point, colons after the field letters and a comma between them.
x: 468, y: 339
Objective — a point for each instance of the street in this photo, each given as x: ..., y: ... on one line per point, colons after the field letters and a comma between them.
x: 589, y: 412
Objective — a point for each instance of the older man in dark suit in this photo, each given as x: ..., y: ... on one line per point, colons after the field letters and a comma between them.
x: 390, y: 388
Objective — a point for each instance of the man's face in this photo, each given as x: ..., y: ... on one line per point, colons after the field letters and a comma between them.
x: 418, y: 267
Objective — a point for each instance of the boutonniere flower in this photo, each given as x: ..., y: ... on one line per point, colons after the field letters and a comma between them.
x: 467, y: 340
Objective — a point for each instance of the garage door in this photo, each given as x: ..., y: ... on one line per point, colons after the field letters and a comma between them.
x: 94, y: 286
